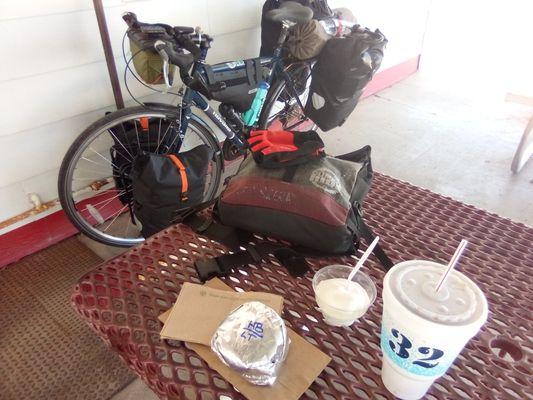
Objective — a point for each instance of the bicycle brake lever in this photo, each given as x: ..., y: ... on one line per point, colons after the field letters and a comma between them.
x: 160, y: 47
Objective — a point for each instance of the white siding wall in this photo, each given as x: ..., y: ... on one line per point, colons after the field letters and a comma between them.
x: 54, y: 81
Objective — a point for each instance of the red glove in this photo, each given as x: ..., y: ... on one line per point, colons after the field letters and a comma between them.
x: 275, y: 149
x: 269, y: 142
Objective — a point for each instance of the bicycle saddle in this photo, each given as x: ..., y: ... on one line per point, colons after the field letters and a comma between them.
x: 290, y: 11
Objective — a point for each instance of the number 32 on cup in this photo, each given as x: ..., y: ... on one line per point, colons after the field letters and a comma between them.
x: 403, y: 348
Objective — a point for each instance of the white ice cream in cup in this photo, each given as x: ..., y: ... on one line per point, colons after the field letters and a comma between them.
x: 342, y: 302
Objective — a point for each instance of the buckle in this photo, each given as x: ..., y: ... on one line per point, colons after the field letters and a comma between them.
x: 256, y: 257
x: 295, y: 263
x: 208, y: 268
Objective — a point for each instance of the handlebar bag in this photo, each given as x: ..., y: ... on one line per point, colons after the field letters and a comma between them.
x: 148, y: 63
x: 165, y: 185
x: 315, y: 205
x: 344, y: 68
x: 235, y: 82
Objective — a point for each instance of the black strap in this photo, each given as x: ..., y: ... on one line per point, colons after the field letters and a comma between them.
x: 210, y: 75
x: 258, y: 70
x: 237, y: 239
x: 222, y: 265
x: 358, y: 156
x: 378, y: 251
x: 250, y: 72
x: 227, y: 235
x: 288, y: 174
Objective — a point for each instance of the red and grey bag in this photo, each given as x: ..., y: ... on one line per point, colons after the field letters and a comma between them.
x: 316, y: 205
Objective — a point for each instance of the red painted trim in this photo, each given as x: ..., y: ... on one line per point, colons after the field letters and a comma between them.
x: 34, y: 236
x: 44, y: 232
x: 55, y: 227
x: 390, y: 76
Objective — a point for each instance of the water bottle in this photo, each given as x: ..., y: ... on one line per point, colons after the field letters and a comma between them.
x: 250, y: 116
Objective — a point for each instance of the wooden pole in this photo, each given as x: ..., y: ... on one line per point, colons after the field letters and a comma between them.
x: 108, y: 51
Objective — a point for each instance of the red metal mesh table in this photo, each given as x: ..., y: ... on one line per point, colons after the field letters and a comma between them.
x: 122, y: 299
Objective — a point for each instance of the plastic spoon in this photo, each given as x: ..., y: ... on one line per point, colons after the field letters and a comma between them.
x: 363, y: 258
x: 451, y: 264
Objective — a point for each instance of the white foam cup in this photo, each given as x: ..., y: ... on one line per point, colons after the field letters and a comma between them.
x: 423, y: 330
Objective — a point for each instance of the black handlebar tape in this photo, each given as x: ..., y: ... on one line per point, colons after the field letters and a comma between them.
x: 189, y: 45
x: 131, y: 19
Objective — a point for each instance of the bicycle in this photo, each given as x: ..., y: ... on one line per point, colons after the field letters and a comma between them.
x: 98, y: 204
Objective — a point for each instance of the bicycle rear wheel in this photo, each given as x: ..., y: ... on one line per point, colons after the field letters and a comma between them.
x: 282, y: 111
x: 94, y: 185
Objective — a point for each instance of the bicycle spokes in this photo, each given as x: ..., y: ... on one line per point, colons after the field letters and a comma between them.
x: 99, y: 189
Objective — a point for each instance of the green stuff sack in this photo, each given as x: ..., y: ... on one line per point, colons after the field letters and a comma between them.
x: 306, y: 40
x: 149, y: 65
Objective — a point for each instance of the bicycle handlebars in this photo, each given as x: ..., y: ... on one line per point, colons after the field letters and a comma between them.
x: 180, y: 37
x: 170, y: 42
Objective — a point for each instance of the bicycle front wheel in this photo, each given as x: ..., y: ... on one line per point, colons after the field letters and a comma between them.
x: 94, y: 185
x: 282, y: 110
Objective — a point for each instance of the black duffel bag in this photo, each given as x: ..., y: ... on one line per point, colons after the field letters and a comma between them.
x: 315, y: 205
x: 166, y: 185
x: 344, y: 68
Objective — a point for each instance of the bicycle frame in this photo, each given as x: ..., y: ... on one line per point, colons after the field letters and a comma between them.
x: 193, y: 98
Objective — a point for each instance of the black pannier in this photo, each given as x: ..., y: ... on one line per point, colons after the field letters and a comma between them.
x: 234, y: 83
x: 166, y: 184
x: 344, y: 68
x: 271, y: 30
x: 131, y: 138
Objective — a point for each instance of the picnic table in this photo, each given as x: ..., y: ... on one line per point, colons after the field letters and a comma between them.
x: 122, y: 298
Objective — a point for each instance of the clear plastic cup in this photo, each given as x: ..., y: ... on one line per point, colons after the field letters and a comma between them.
x: 340, y: 301
x: 423, y: 330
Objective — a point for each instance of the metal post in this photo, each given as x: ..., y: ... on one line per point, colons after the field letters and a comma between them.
x: 108, y: 51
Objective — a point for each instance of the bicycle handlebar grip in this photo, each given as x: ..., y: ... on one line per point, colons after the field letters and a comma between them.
x: 160, y: 46
x: 164, y: 48
x: 186, y: 42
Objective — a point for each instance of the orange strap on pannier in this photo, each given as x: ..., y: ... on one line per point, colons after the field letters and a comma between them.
x: 183, y: 173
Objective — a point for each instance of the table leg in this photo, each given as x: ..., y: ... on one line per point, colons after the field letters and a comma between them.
x: 524, y: 150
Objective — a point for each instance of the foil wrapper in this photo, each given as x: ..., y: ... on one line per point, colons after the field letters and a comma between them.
x: 253, y: 341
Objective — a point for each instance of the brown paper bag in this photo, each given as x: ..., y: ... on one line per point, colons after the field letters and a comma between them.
x: 303, y: 365
x: 205, y: 308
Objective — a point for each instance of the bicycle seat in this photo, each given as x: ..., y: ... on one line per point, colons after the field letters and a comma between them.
x: 290, y: 11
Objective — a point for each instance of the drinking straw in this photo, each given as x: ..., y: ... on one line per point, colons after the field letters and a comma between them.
x: 451, y: 264
x: 363, y: 258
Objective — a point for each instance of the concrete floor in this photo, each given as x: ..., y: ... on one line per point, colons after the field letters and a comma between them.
x: 456, y: 144
x: 452, y: 143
